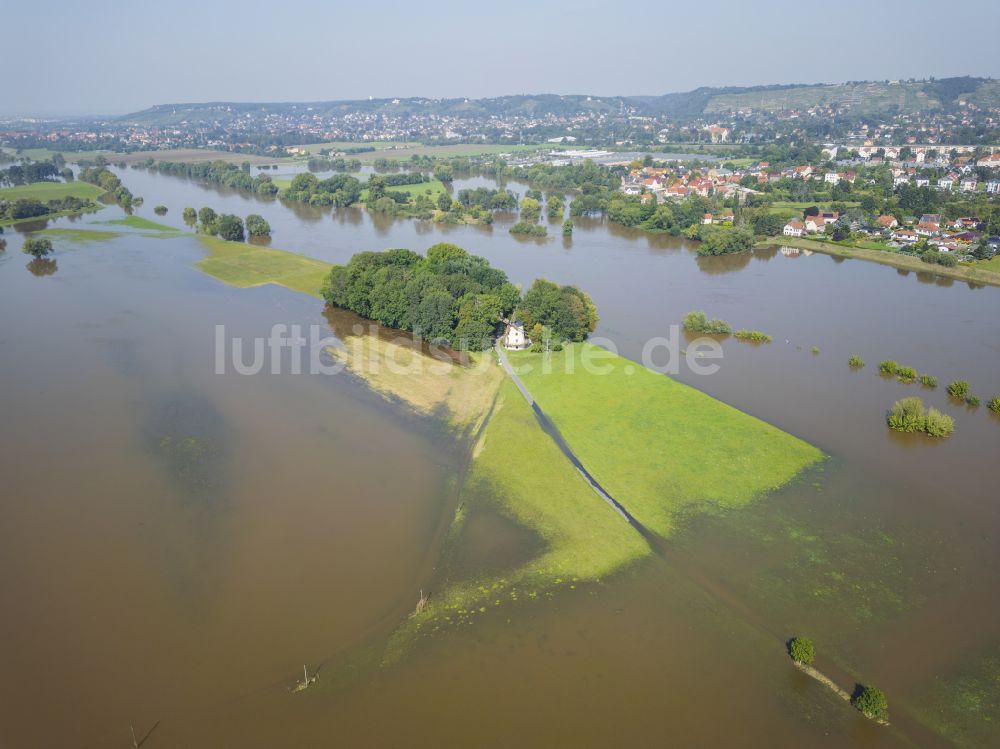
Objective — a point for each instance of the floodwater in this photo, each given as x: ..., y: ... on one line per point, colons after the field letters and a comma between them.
x: 174, y: 544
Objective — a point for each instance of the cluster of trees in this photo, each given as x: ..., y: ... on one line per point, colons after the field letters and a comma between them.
x: 446, y: 295
x: 218, y: 173
x: 324, y: 164
x: 934, y: 257
x: 453, y: 296
x: 227, y: 225
x: 563, y: 312
x: 487, y: 199
x: 340, y: 190
x: 34, y: 171
x: 910, y: 415
x: 698, y: 322
x: 23, y: 208
x: 717, y: 240
x: 110, y: 183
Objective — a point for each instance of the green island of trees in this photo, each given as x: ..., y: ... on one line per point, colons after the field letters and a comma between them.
x: 698, y: 322
x: 994, y: 404
x: 453, y: 296
x: 257, y: 226
x: 910, y: 415
x: 855, y: 362
x: 529, y: 228
x: 802, y: 651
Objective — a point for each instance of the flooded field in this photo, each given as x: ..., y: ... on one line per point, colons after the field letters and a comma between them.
x: 175, y: 544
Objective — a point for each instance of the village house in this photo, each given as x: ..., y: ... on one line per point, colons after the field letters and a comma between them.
x: 968, y: 185
x: 886, y: 222
x: 993, y: 188
x: 905, y: 236
x: 794, y: 228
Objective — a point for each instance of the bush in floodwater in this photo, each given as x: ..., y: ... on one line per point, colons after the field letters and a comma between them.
x: 815, y: 349
x: 872, y: 703
x: 698, y: 322
x: 754, y: 336
x: 928, y: 381
x: 888, y: 367
x: 959, y: 389
x: 994, y: 404
x: 160, y: 210
x: 938, y: 424
x: 907, y: 415
x: 906, y: 374
x: 855, y: 362
x: 802, y: 651
x: 972, y: 400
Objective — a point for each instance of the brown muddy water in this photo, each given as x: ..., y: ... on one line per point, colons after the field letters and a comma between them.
x: 174, y: 544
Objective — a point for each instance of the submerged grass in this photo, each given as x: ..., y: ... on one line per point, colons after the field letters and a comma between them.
x: 520, y: 470
x: 244, y: 265
x: 661, y: 448
x: 138, y: 222
x: 73, y: 234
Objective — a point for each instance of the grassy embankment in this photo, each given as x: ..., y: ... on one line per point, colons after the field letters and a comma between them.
x: 661, y: 448
x: 45, y: 191
x: 987, y: 272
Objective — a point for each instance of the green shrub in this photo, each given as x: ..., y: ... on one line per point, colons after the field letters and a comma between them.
x: 755, y: 336
x: 856, y: 362
x: 972, y: 400
x: 994, y: 404
x: 907, y: 415
x: 802, y: 651
x: 959, y: 389
x: 872, y: 703
x: 815, y: 349
x: 190, y: 215
x: 906, y: 374
x: 160, y: 210
x: 888, y: 367
x: 698, y: 322
x: 938, y: 424
x: 928, y: 381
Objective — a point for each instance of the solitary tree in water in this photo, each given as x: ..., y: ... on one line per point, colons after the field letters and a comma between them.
x: 872, y: 702
x: 36, y: 247
x: 802, y: 650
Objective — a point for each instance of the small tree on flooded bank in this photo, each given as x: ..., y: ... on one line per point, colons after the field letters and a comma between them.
x: 257, y: 226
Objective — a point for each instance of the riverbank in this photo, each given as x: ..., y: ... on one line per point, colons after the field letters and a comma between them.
x: 971, y: 273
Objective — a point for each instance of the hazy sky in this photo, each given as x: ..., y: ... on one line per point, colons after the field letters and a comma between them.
x: 114, y: 57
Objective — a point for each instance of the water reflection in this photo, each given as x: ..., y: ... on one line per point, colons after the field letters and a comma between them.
x: 42, y: 266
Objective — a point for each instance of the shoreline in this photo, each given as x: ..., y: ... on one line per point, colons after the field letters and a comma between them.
x: 885, y: 257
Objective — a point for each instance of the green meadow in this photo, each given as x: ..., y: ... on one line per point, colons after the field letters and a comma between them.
x: 659, y: 447
x: 45, y: 191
